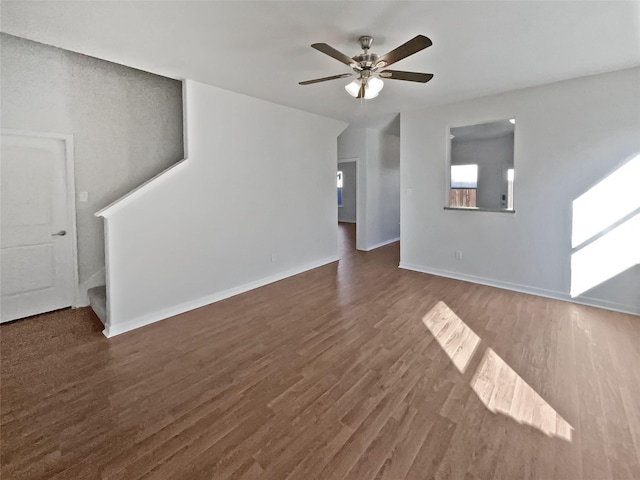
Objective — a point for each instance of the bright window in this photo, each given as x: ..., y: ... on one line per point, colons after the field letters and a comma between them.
x: 464, y: 183
x: 464, y: 176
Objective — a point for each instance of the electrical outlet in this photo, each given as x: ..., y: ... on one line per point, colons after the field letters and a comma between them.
x: 274, y: 257
x: 459, y: 254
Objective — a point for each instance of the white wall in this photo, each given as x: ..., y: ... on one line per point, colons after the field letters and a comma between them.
x: 126, y: 124
x: 208, y: 228
x: 569, y: 136
x: 378, y: 210
x: 383, y: 188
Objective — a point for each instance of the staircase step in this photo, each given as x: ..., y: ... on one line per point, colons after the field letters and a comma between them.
x: 98, y: 301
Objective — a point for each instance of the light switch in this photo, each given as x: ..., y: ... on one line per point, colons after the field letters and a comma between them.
x: 83, y: 197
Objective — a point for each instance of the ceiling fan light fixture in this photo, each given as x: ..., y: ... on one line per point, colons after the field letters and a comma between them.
x: 369, y: 94
x: 354, y: 87
x: 371, y: 89
x: 375, y: 86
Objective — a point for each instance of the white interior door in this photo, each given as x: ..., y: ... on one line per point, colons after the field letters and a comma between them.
x: 37, y: 243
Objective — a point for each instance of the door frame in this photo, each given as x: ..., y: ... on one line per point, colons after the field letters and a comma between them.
x: 71, y: 196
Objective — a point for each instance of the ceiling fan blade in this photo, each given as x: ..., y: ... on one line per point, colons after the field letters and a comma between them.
x: 361, y: 92
x: 324, y: 79
x: 332, y: 52
x: 409, y: 76
x: 417, y: 43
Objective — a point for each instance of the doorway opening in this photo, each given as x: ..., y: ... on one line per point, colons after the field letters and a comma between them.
x: 347, y: 204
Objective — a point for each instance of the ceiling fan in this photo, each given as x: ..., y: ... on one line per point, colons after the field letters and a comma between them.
x: 367, y: 66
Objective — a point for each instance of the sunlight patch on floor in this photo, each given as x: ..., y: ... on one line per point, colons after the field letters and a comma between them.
x: 453, y: 335
x: 502, y: 390
x: 495, y: 383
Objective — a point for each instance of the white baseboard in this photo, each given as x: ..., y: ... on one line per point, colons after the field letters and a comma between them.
x: 381, y: 244
x: 516, y: 287
x: 152, y: 317
x: 136, y: 192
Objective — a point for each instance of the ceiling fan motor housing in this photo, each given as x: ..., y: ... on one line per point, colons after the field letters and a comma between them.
x: 366, y: 60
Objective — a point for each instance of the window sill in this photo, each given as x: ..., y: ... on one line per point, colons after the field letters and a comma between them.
x: 478, y: 209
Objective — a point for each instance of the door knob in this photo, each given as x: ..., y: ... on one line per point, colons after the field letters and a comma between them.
x: 61, y: 233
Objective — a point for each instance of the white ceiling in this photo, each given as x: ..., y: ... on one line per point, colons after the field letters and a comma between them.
x: 262, y: 48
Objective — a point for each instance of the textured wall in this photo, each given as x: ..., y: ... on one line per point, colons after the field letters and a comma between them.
x: 126, y: 124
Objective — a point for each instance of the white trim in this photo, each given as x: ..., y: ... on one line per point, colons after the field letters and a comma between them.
x: 107, y: 211
x: 35, y: 133
x: 71, y: 196
x: 185, y: 130
x: 382, y: 244
x: 112, y: 330
x: 136, y: 192
x: 107, y: 277
x: 516, y: 287
x: 71, y: 204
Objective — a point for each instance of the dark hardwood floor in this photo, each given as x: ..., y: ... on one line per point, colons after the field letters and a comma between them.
x: 355, y: 370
